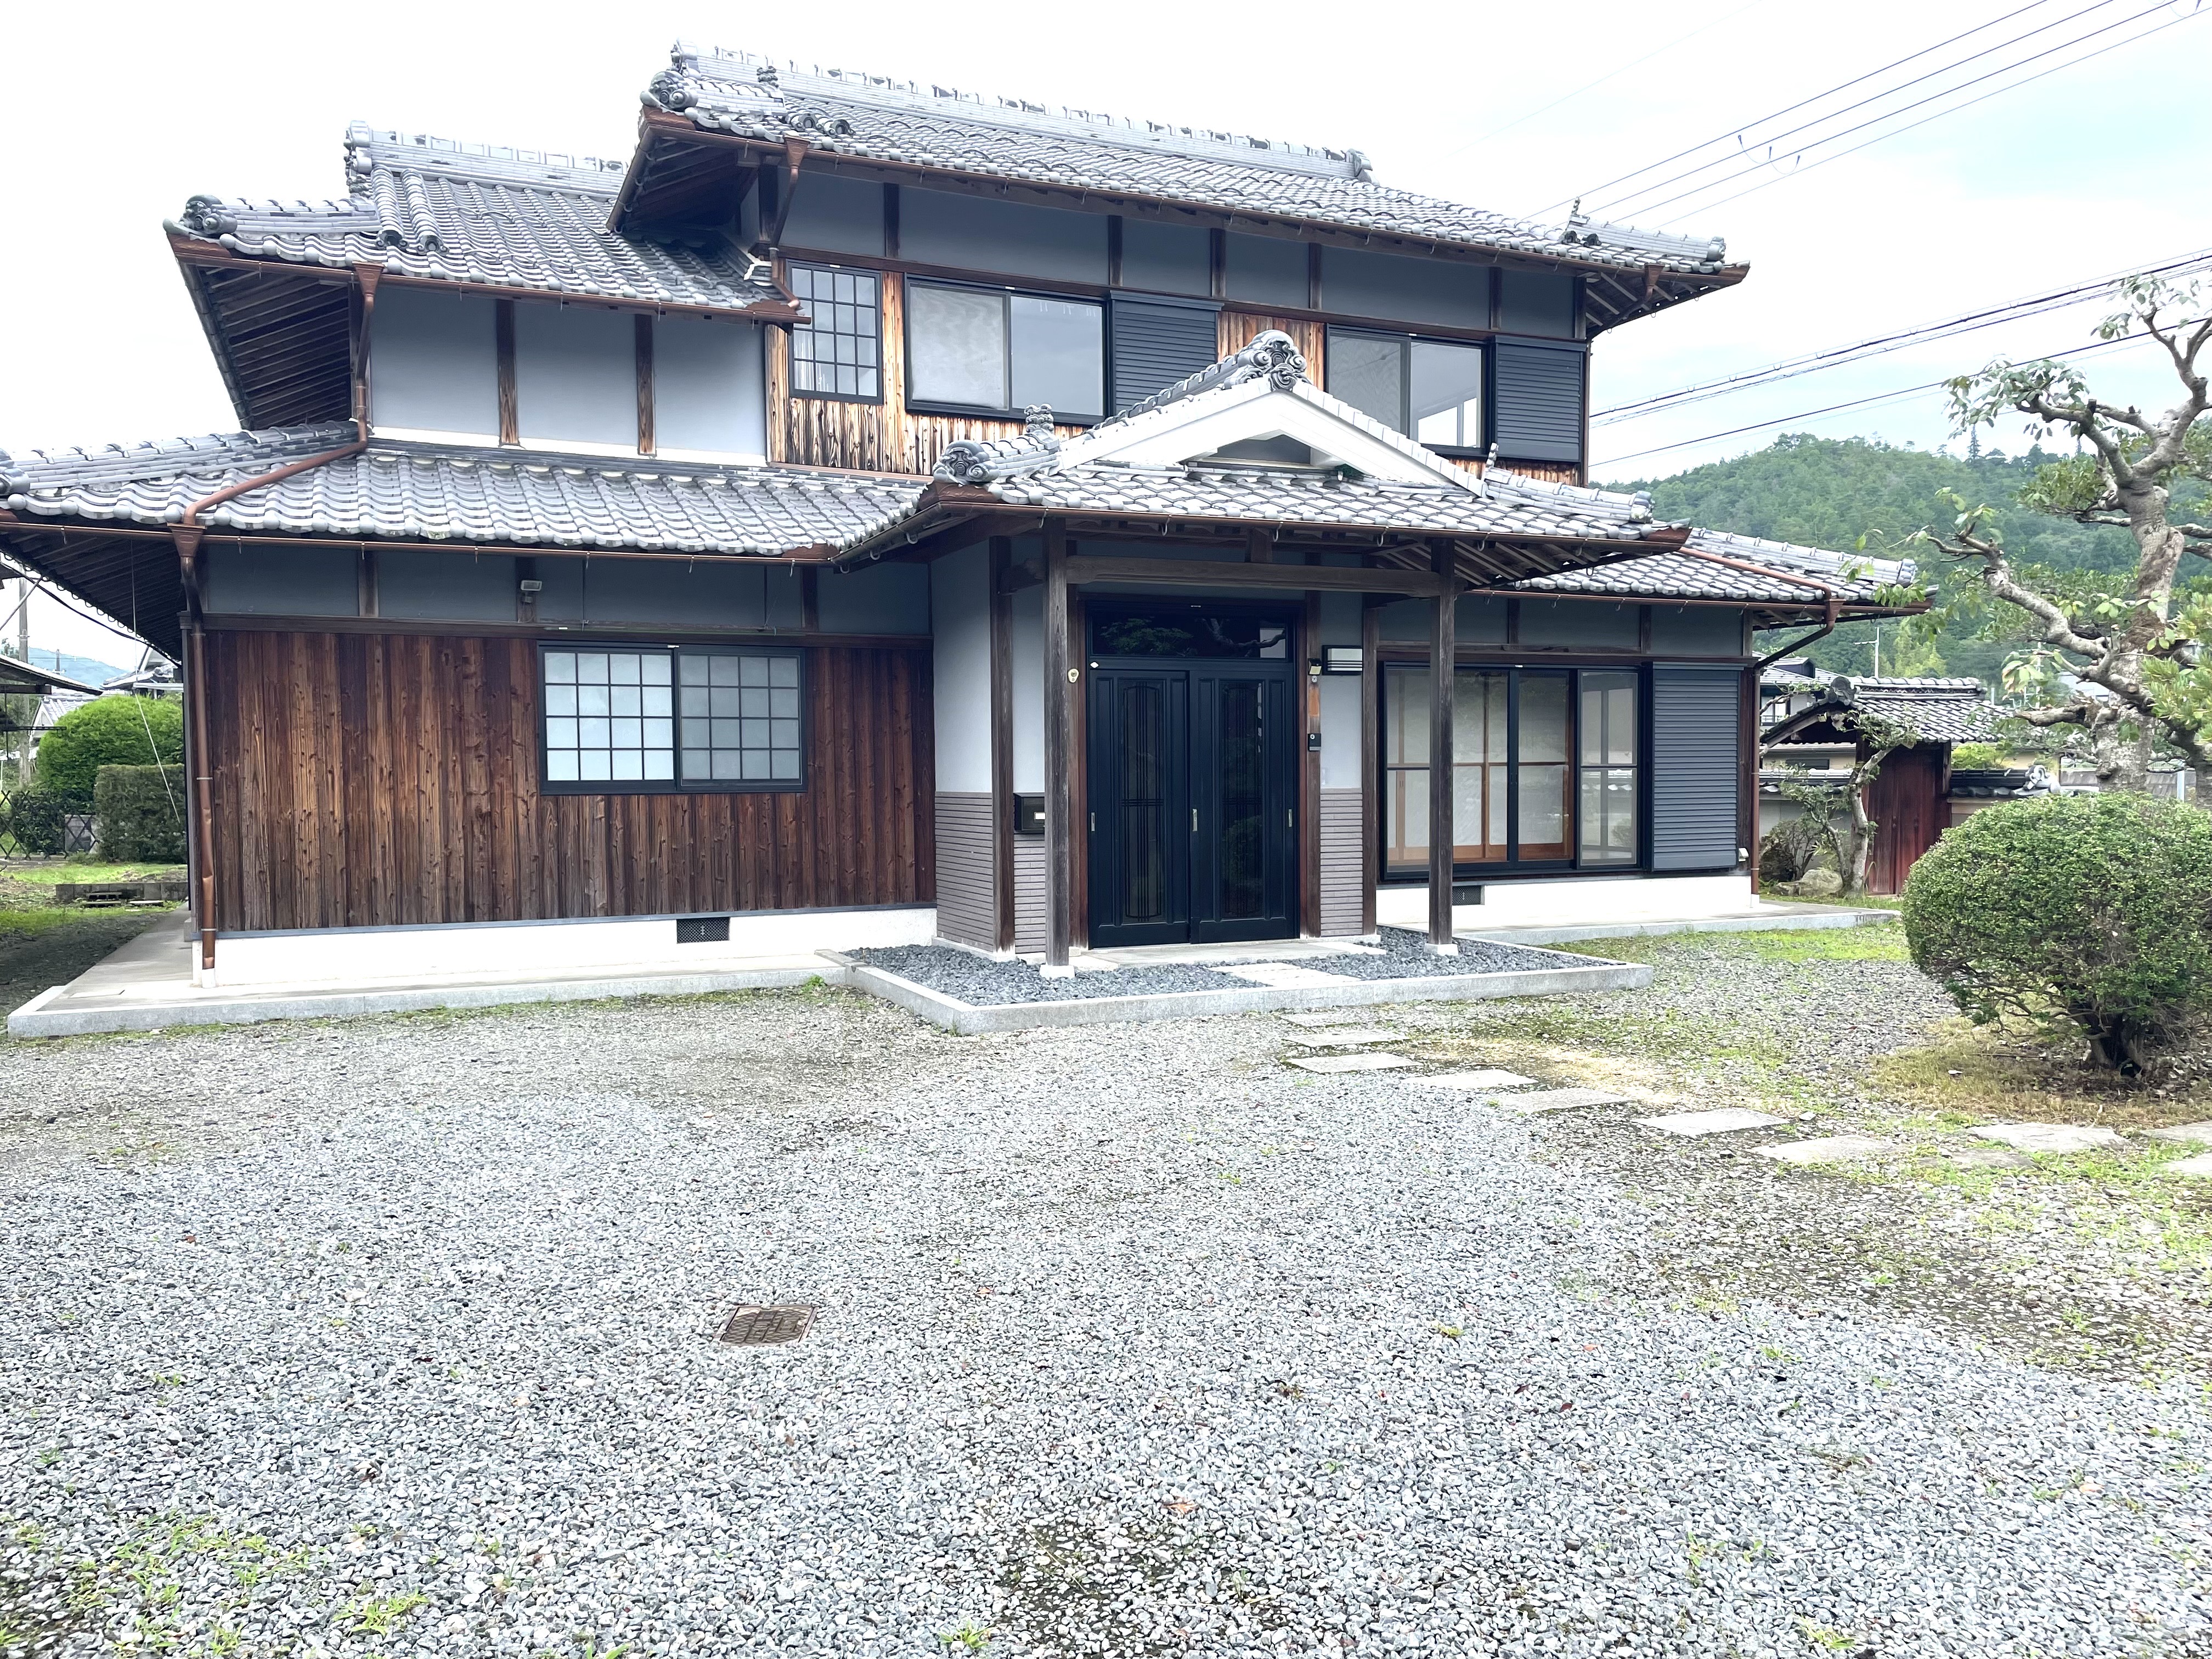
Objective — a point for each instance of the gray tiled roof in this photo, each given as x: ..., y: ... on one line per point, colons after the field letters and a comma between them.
x: 431, y: 209
x: 1940, y: 710
x: 875, y: 118
x: 424, y: 492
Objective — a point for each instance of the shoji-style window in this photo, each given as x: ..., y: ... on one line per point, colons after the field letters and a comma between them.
x: 645, y: 718
x: 840, y: 353
x: 1546, y: 768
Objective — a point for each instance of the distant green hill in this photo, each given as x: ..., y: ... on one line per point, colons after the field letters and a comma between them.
x: 88, y: 670
x: 1831, y: 492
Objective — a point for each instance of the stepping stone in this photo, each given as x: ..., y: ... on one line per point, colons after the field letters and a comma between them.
x: 1830, y: 1149
x: 1475, y: 1080
x: 1722, y: 1121
x: 2051, y: 1137
x: 1987, y: 1158
x: 2200, y: 1132
x: 1283, y: 975
x: 1314, y: 1022
x: 1345, y: 1036
x: 1369, y: 1062
x: 2199, y: 1168
x: 1558, y: 1100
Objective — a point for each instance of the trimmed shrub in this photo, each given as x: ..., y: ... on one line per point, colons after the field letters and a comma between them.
x: 140, y: 812
x: 108, y: 732
x: 2087, y: 914
x: 1977, y: 757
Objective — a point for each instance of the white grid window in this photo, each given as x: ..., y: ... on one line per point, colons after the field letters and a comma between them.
x: 740, y: 717
x: 607, y: 717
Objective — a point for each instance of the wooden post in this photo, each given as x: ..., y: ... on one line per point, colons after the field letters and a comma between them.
x: 1062, y: 704
x: 642, y: 334
x: 1444, y: 652
x: 200, y: 755
x: 1307, y: 690
x: 1371, y: 767
x: 510, y: 411
x: 1002, y: 744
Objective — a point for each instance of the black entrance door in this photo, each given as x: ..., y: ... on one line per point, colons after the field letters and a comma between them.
x: 1193, y: 822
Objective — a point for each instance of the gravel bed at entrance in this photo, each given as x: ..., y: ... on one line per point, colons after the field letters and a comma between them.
x: 984, y: 983
x: 398, y: 1336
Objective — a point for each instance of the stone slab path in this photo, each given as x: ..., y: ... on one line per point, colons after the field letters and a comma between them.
x: 2052, y: 1137
x: 1559, y: 1100
x: 1485, y: 1080
x: 2199, y: 1132
x: 1280, y: 974
x: 2197, y: 1168
x: 1724, y: 1121
x: 1364, y: 1062
x: 1829, y: 1149
x: 1345, y: 1036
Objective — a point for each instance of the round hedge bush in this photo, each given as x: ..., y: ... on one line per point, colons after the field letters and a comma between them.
x: 2090, y: 913
x: 121, y: 731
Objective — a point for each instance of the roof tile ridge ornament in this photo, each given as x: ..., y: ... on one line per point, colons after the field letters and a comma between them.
x: 209, y: 217
x: 982, y: 460
x: 1272, y: 353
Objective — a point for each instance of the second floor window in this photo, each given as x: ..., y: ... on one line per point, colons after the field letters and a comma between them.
x: 1430, y: 389
x: 988, y: 349
x: 839, y: 354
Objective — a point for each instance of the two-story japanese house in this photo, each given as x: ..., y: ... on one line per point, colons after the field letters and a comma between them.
x: 874, y: 514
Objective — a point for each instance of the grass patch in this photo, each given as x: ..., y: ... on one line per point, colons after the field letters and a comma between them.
x: 41, y: 919
x: 1982, y: 1073
x: 45, y: 873
x: 1877, y: 943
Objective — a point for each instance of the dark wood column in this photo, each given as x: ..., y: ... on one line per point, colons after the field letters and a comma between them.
x: 1307, y: 691
x: 1063, y: 704
x: 1002, y: 742
x: 1443, y: 652
x: 1371, y: 764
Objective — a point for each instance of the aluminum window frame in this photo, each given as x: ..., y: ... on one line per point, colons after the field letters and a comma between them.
x: 1006, y: 294
x: 1405, y: 341
x: 678, y: 784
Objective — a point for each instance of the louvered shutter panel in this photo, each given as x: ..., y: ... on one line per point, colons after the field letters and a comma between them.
x: 1159, y: 341
x: 1539, y: 402
x: 1697, y: 768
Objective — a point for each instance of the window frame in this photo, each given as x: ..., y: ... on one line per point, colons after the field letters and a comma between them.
x: 678, y: 784
x: 1513, y: 864
x: 1006, y: 294
x: 1405, y: 343
x: 882, y: 379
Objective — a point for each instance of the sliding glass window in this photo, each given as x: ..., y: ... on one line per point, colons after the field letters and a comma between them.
x: 997, y: 352
x: 1544, y: 767
x: 1430, y: 389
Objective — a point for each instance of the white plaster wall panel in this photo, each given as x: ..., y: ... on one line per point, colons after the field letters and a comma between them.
x: 434, y: 361
x: 838, y: 215
x: 1013, y: 239
x: 1536, y: 302
x: 1265, y: 270
x: 960, y: 677
x: 786, y: 595
x: 875, y: 599
x: 1339, y: 732
x: 1575, y: 903
x: 1584, y: 623
x: 514, y: 950
x: 709, y: 389
x: 1689, y: 630
x: 674, y: 592
x: 575, y: 374
x: 466, y: 586
x: 1341, y: 618
x: 1028, y: 653
x: 1165, y: 258
x: 1358, y: 283
x: 1479, y: 619
x: 242, y: 580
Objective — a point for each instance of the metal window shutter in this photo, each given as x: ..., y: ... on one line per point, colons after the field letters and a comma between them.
x: 1538, y: 402
x: 1696, y: 766
x: 1159, y: 341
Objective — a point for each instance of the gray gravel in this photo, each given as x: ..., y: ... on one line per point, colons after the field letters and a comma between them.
x: 1131, y: 1341
x: 981, y: 983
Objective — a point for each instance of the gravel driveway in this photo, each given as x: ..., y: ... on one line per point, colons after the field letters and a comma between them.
x: 398, y: 1336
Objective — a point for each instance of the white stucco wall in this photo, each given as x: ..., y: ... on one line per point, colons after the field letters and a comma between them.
x: 960, y: 681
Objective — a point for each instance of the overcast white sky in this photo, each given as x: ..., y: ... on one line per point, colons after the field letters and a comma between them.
x: 114, y: 116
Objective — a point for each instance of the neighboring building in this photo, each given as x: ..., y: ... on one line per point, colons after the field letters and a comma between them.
x: 876, y: 513
x: 1812, y: 720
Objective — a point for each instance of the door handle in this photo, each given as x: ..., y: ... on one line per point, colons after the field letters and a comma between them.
x: 1194, y: 820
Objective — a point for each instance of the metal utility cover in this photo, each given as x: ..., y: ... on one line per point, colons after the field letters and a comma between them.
x: 755, y: 1327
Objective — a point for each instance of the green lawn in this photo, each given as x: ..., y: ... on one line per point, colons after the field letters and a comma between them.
x: 50, y: 872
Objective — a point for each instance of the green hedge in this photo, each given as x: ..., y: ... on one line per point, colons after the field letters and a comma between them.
x: 117, y: 731
x: 139, y: 812
x: 2087, y: 914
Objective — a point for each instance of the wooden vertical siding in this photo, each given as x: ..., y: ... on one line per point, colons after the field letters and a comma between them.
x: 1343, y: 862
x: 365, y: 780
x: 1240, y: 328
x: 1906, y: 802
x: 967, y: 895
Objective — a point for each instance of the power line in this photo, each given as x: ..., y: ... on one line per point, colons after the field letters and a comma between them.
x: 1863, y: 403
x: 1762, y: 164
x: 1610, y: 75
x: 1840, y: 356
x: 1978, y: 28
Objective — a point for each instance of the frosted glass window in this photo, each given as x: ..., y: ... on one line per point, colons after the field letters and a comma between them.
x: 680, y: 719
x: 957, y: 353
x: 608, y: 717
x: 982, y: 348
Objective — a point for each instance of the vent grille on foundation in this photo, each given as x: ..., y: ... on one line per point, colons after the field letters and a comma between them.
x: 702, y: 930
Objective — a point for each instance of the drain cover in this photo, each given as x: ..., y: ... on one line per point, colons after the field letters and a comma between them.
x: 752, y: 1327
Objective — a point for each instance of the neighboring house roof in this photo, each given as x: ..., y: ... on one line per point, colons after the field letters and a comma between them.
x: 1940, y: 710
x: 18, y: 678
x: 430, y: 492
x: 874, y: 118
x: 435, y: 211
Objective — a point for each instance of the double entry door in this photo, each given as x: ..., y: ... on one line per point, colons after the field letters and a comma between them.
x: 1193, y: 796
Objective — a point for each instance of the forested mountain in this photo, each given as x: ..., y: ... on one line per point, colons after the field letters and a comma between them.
x: 1850, y: 493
